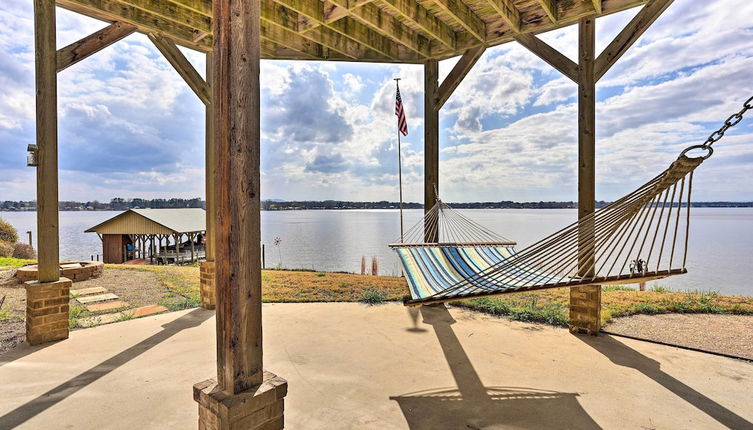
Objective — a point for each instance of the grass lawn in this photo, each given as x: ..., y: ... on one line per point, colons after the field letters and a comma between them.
x: 547, y: 306
x: 9, y: 263
x: 288, y: 285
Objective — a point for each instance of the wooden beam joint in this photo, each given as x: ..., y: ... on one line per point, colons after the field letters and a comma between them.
x: 457, y: 74
x: 629, y: 35
x: 553, y: 57
x: 184, y: 67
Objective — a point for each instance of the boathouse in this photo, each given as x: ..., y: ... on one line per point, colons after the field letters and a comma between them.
x: 162, y: 236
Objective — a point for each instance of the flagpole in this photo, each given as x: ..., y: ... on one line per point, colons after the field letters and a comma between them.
x: 400, y: 170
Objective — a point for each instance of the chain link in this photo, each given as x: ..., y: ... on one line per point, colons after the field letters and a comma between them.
x: 732, y: 121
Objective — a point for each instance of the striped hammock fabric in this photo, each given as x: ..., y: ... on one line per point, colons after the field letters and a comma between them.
x: 431, y: 270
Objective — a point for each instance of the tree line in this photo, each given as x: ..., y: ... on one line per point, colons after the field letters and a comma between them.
x: 116, y: 204
x: 120, y: 204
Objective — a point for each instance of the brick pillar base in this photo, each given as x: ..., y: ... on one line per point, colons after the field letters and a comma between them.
x: 208, y: 296
x: 47, y: 311
x: 260, y: 408
x: 585, y: 309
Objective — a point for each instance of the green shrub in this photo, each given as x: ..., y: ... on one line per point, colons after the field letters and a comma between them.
x: 6, y: 249
x: 659, y: 289
x: 373, y: 297
x: 24, y: 251
x: 8, y: 233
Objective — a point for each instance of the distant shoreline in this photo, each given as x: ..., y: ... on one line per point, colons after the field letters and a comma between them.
x: 269, y: 205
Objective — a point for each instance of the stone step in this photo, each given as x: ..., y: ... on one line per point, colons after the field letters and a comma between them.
x: 115, y: 316
x: 99, y: 319
x: 88, y: 291
x: 97, y: 298
x: 106, y: 306
x: 147, y: 310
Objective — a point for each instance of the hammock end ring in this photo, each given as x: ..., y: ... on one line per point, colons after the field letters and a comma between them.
x: 708, y: 148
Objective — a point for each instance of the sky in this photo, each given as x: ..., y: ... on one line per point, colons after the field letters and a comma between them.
x: 130, y: 127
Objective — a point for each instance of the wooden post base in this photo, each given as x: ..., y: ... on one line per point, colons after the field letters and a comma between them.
x: 260, y: 408
x: 47, y: 311
x: 208, y: 292
x: 585, y: 309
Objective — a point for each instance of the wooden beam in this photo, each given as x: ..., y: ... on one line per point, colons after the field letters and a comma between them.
x: 277, y: 15
x: 45, y: 59
x: 290, y: 40
x: 210, y: 167
x: 184, y: 67
x: 172, y: 12
x: 412, y: 11
x: 509, y: 13
x: 464, y: 16
x: 236, y: 100
x: 431, y: 145
x: 351, y: 29
x: 585, y: 301
x: 366, y: 36
x: 92, y: 44
x: 550, y: 8
x: 456, y: 75
x: 597, y: 6
x: 112, y: 11
x: 553, y: 57
x: 568, y: 13
x: 203, y: 7
x: 629, y: 35
x: 392, y: 28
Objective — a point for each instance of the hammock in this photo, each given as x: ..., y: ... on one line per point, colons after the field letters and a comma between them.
x: 640, y: 237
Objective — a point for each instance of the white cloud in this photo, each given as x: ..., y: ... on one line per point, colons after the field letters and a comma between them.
x: 129, y: 126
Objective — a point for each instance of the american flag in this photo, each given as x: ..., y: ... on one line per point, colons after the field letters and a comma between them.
x: 402, y: 123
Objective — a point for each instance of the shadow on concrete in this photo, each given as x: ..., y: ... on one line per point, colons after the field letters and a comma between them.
x: 38, y: 405
x: 22, y: 350
x: 622, y: 355
x: 474, y: 406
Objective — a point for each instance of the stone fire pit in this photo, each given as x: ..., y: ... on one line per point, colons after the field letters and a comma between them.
x: 76, y: 271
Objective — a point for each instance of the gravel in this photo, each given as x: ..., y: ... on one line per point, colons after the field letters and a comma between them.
x: 135, y: 287
x: 726, y: 334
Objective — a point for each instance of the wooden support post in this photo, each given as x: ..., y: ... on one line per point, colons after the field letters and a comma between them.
x: 211, y: 161
x: 240, y: 397
x: 585, y: 301
x: 193, y: 248
x: 431, y: 144
x: 92, y: 44
x: 47, y: 141
x: 177, y: 248
x: 47, y: 309
x: 207, y: 288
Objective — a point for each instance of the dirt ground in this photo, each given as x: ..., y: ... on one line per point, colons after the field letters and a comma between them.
x: 12, y: 312
x: 726, y: 334
x: 135, y: 287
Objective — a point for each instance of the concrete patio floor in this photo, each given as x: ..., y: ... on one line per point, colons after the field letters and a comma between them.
x: 350, y: 366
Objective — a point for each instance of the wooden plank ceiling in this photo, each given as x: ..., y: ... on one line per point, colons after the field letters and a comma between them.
x: 392, y: 31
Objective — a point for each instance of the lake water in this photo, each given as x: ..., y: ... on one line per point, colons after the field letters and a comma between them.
x: 720, y: 256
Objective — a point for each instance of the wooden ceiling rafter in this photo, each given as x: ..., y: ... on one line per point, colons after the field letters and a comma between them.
x: 395, y: 31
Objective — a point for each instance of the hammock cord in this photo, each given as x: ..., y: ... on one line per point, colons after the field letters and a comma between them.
x: 618, y: 242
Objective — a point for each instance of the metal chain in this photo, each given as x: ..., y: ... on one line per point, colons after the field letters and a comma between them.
x: 732, y: 121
